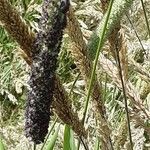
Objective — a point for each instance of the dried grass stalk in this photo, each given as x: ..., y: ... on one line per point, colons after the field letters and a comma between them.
x: 79, y: 52
x: 64, y: 109
x: 121, y: 136
x: 117, y: 41
x: 132, y: 93
x: 15, y: 26
x: 123, y: 53
x: 20, y: 32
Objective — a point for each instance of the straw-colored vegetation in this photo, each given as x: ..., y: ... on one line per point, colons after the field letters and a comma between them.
x: 101, y: 88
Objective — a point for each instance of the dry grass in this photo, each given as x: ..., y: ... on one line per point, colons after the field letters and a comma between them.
x: 106, y: 112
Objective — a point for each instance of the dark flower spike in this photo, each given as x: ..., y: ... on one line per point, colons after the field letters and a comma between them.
x: 39, y: 97
x: 40, y: 36
x: 42, y: 77
x: 64, y: 6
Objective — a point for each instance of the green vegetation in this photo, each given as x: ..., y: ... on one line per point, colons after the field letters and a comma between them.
x: 102, y: 87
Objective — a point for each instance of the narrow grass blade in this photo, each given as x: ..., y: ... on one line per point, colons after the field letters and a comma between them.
x: 53, y: 139
x: 69, y: 142
x: 100, y: 44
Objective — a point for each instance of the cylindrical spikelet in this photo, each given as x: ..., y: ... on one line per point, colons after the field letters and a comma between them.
x: 54, y: 35
x: 42, y: 78
x: 40, y: 95
x: 15, y: 26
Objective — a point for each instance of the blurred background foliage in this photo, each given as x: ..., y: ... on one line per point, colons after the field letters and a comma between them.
x: 14, y: 74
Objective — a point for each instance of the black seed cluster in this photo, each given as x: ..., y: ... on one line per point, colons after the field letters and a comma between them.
x: 40, y: 36
x: 54, y: 35
x: 42, y: 76
x: 39, y: 97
